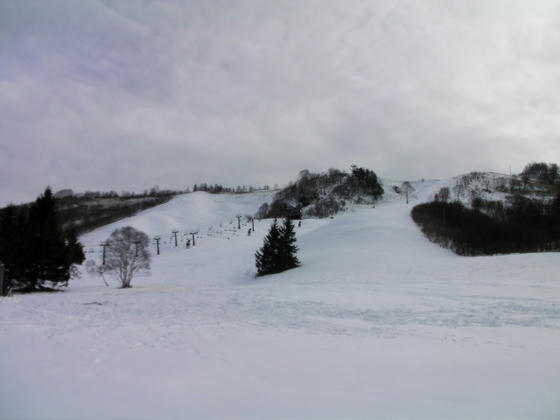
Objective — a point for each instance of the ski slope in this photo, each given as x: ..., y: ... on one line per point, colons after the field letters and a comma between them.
x: 376, y: 323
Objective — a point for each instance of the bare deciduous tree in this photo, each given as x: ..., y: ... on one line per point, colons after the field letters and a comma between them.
x: 442, y: 195
x: 407, y: 188
x: 127, y: 254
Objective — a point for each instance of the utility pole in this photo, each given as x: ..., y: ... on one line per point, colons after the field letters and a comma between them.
x: 239, y: 221
x: 157, y: 239
x: 3, y: 287
x: 193, y: 233
x: 175, y: 232
x: 253, y: 223
x: 407, y: 187
x: 104, y: 245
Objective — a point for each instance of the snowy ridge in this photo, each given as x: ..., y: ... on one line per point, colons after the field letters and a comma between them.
x: 377, y: 322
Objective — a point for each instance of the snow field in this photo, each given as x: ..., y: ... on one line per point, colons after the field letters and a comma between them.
x: 377, y: 322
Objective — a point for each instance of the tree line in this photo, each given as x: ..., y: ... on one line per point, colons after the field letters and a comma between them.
x: 83, y: 217
x: 155, y: 191
x: 490, y: 227
x: 219, y: 189
x: 545, y: 173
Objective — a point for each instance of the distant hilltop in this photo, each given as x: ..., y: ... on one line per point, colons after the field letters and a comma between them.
x: 324, y: 194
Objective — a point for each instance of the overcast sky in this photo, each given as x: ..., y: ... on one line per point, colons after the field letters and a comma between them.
x: 105, y: 95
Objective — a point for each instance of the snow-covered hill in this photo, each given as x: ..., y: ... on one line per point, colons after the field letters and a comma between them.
x: 207, y: 214
x: 324, y: 194
x: 377, y: 323
x: 483, y: 185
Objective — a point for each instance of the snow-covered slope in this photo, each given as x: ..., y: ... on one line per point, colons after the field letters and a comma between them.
x: 484, y: 185
x: 376, y: 323
x: 187, y: 213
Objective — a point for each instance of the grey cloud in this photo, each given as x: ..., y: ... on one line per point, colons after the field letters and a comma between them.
x: 126, y: 95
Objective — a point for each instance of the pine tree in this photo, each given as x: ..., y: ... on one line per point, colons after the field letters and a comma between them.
x: 19, y: 254
x: 74, y: 249
x: 7, y: 232
x: 288, y: 249
x: 267, y: 257
x: 278, y: 252
x: 34, y: 248
x: 47, y: 249
x: 9, y: 237
x: 14, y: 235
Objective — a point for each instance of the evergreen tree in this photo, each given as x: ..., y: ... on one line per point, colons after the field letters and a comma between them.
x: 8, y: 242
x: 34, y: 249
x: 267, y: 257
x: 45, y: 243
x: 288, y: 249
x: 18, y: 249
x: 7, y: 225
x: 278, y: 252
x: 14, y: 234
x: 74, y: 249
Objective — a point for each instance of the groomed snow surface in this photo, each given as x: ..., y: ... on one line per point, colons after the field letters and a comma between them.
x: 376, y: 323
